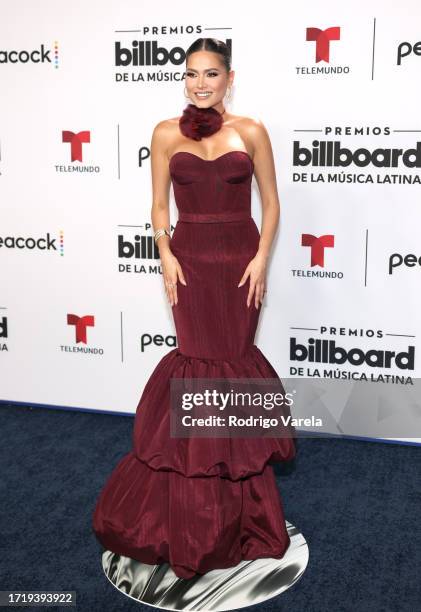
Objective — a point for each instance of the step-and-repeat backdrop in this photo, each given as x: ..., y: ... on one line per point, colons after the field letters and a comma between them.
x: 83, y: 313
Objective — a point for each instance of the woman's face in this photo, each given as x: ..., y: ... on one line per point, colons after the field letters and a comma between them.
x: 206, y: 74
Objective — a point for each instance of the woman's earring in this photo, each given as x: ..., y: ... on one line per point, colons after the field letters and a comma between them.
x: 229, y: 94
x: 185, y: 95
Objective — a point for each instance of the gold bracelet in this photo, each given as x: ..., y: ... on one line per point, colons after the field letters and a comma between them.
x: 161, y: 232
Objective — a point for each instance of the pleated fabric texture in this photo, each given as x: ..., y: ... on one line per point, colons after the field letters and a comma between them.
x: 201, y: 503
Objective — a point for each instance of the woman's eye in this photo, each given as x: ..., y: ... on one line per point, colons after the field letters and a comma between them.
x: 191, y: 74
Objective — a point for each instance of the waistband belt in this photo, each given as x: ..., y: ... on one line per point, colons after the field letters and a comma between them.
x: 238, y: 215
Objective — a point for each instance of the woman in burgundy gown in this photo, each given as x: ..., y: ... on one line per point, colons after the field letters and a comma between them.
x: 203, y: 503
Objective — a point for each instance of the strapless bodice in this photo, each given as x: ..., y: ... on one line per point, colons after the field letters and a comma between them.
x: 212, y: 190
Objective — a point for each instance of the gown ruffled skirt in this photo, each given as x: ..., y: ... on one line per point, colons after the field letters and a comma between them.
x: 201, y: 503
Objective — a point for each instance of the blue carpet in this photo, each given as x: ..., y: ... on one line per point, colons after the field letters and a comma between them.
x: 357, y: 503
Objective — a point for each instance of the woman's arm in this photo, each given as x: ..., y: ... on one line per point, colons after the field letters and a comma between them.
x: 160, y: 176
x: 160, y: 216
x: 264, y: 170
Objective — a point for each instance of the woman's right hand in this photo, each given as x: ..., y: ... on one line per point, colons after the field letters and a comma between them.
x: 171, y: 271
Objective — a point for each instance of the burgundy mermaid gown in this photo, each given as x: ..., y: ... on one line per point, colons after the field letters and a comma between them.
x: 201, y: 503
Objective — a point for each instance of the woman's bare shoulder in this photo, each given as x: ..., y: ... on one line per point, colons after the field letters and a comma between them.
x: 252, y: 130
x: 164, y: 133
x: 252, y: 125
x: 166, y: 126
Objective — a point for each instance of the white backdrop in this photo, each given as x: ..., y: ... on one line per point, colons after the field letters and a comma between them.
x: 360, y: 94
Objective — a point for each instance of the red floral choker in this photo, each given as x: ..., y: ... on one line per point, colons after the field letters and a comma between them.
x: 198, y: 123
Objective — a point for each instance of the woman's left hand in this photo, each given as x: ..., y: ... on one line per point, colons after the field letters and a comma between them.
x: 256, y: 269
